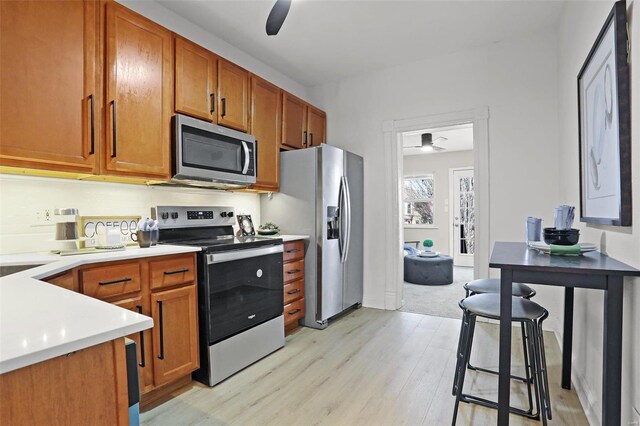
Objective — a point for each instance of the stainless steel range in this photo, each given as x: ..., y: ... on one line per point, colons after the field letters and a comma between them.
x: 240, y: 288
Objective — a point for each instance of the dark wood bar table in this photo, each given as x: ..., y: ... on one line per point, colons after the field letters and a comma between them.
x: 592, y: 270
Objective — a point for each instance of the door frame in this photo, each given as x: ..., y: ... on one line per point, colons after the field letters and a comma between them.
x: 451, y: 210
x: 392, y: 129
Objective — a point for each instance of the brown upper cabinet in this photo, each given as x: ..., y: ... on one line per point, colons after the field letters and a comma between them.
x: 139, y: 87
x: 294, y: 121
x: 316, y: 124
x: 233, y: 96
x: 196, y: 75
x: 209, y: 87
x: 303, y: 124
x: 50, y: 85
x: 266, y: 126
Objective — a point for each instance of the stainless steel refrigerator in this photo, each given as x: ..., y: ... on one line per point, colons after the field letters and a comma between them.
x: 321, y: 195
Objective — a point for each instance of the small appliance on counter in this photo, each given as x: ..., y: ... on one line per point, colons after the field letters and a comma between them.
x: 240, y: 288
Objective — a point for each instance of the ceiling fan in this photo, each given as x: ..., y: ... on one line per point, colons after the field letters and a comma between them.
x: 277, y: 16
x: 428, y: 143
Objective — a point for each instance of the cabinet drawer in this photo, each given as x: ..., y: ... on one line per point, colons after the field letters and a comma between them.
x: 293, y: 270
x: 293, y: 250
x: 293, y: 311
x: 172, y: 271
x: 293, y: 291
x: 109, y: 281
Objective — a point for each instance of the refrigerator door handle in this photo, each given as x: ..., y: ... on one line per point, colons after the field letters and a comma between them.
x: 347, y: 241
x: 341, y: 207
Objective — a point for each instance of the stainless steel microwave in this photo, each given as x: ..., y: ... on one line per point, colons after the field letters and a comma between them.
x: 212, y: 156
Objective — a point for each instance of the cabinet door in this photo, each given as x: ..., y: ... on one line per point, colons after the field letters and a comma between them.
x: 139, y: 89
x: 49, y: 85
x: 196, y: 74
x: 316, y: 122
x: 266, y: 126
x: 143, y: 343
x: 233, y: 93
x: 175, y: 333
x: 294, y: 121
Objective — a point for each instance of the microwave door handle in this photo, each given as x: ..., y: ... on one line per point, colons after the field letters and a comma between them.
x: 246, y: 158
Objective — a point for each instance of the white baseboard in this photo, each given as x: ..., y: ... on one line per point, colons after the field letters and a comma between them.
x: 584, y: 392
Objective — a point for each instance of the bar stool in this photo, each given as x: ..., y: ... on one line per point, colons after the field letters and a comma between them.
x: 492, y: 285
x: 530, y: 315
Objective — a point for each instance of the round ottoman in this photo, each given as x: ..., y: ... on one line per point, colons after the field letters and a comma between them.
x: 428, y: 270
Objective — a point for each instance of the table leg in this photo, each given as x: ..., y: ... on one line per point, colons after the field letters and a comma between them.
x: 612, y: 352
x: 506, y: 281
x: 567, y: 338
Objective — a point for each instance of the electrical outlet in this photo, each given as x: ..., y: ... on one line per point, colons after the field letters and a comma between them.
x: 43, y: 217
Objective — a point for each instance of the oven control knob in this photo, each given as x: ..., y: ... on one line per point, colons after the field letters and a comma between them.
x: 223, y: 214
x: 174, y: 215
x: 165, y: 215
x: 230, y: 214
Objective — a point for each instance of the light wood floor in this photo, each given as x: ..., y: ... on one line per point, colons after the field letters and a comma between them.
x: 371, y: 367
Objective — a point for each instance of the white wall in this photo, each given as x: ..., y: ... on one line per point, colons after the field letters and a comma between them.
x: 579, y: 27
x: 439, y: 165
x: 516, y: 79
x: 21, y: 197
x: 176, y: 23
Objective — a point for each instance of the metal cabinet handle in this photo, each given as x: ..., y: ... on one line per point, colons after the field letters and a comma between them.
x: 304, y: 142
x: 161, y: 325
x: 114, y: 140
x: 93, y: 129
x: 122, y: 280
x: 293, y: 271
x: 293, y: 251
x: 224, y: 107
x: 179, y: 271
x: 311, y: 139
x: 142, y: 362
x: 295, y: 311
x: 295, y: 291
x: 213, y: 103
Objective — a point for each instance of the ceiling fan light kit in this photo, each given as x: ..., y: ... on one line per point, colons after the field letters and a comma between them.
x: 428, y: 142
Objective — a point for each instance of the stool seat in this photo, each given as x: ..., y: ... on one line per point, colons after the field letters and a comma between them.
x: 488, y: 306
x: 492, y: 285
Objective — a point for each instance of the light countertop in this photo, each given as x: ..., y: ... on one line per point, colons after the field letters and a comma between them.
x: 40, y: 321
x: 286, y: 238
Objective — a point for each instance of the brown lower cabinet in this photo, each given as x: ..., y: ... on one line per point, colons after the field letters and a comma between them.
x: 175, y: 334
x: 163, y: 288
x: 93, y: 392
x: 293, y: 268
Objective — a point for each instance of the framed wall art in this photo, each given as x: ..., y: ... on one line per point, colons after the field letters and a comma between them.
x: 604, y: 114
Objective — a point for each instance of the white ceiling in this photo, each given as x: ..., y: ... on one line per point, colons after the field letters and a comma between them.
x: 458, y: 138
x: 323, y: 41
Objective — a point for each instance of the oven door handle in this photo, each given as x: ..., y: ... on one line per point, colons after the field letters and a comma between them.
x: 246, y: 158
x: 230, y: 256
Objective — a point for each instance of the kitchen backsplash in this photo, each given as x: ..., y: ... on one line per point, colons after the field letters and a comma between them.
x: 24, y: 198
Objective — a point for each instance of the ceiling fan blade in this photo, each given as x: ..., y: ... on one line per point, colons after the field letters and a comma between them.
x: 277, y: 16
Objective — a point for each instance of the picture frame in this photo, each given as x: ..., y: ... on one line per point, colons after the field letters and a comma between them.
x: 246, y: 225
x: 604, y: 125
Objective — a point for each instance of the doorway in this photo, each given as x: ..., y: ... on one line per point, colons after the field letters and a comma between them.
x: 393, y: 170
x: 438, y: 218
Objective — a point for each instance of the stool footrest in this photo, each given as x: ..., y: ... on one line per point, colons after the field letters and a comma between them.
x: 471, y: 399
x: 486, y: 370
